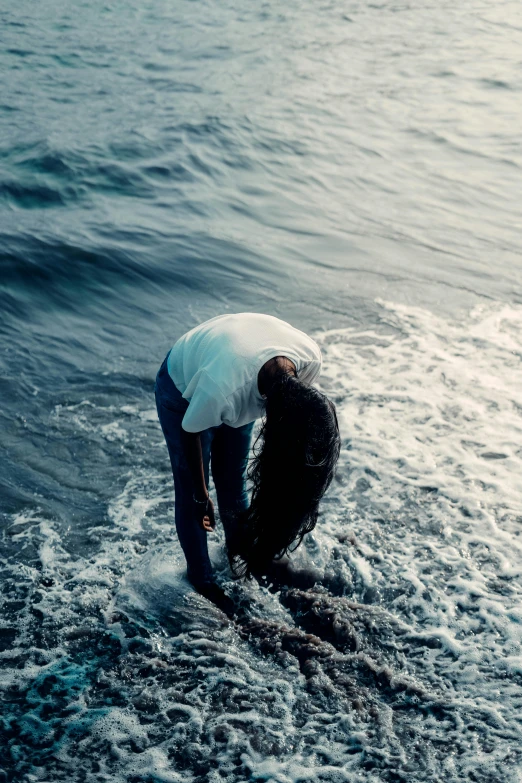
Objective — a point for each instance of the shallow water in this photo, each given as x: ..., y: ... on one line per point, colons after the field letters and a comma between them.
x: 356, y: 170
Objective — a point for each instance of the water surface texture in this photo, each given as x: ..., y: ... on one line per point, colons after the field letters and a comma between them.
x: 354, y: 168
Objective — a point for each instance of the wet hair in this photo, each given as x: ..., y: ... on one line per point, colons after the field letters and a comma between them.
x: 294, y: 460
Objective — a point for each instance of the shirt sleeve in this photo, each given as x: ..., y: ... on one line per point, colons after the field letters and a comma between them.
x: 208, y: 407
x: 311, y: 371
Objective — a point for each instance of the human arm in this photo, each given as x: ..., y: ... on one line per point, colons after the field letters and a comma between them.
x: 194, y: 456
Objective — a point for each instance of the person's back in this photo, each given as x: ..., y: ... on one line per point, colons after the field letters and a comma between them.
x: 216, y: 366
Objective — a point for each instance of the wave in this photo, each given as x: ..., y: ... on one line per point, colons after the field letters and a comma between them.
x: 387, y: 646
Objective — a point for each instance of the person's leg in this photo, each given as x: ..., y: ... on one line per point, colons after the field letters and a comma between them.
x: 193, y: 539
x: 229, y: 458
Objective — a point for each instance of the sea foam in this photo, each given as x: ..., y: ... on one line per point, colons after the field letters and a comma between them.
x: 388, y: 648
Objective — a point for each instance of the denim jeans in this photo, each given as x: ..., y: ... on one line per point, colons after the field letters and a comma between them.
x: 226, y: 449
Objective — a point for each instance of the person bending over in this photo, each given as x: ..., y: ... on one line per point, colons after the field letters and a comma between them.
x: 213, y: 384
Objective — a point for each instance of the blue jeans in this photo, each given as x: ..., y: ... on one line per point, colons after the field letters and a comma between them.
x: 226, y: 449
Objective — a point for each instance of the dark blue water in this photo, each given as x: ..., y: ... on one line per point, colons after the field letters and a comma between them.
x: 354, y: 168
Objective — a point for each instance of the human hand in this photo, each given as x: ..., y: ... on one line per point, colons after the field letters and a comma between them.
x: 206, y: 517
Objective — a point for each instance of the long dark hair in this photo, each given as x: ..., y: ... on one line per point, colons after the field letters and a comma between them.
x: 294, y: 460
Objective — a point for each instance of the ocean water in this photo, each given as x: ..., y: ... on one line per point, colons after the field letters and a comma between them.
x: 352, y: 167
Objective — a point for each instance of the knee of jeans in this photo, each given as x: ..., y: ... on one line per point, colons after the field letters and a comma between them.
x: 233, y: 504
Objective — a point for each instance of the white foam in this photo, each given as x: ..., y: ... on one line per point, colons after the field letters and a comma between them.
x: 432, y: 411
x: 421, y: 530
x: 140, y: 497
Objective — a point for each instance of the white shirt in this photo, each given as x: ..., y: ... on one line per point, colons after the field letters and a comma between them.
x: 215, y: 366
